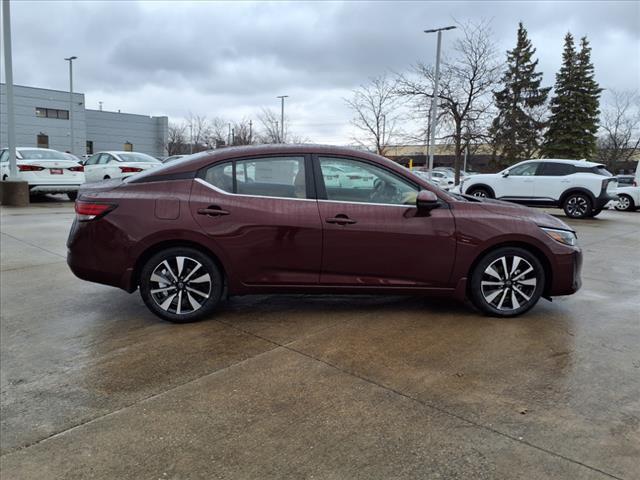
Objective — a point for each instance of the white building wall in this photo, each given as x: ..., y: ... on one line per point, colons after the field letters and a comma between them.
x: 111, y: 130
x: 28, y: 126
x: 107, y: 130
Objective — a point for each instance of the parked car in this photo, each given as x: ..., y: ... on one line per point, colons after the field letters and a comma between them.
x: 173, y: 158
x: 626, y: 181
x: 46, y: 170
x: 425, y: 176
x: 107, y: 165
x: 581, y: 188
x: 629, y: 193
x: 193, y: 232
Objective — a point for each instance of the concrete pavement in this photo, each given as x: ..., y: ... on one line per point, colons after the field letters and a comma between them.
x: 94, y: 386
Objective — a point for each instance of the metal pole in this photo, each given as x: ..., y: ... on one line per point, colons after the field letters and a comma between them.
x: 384, y: 126
x: 282, y: 97
x: 70, y: 60
x: 8, y: 78
x: 434, y: 105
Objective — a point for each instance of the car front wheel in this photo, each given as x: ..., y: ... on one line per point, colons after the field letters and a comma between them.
x: 625, y: 203
x: 181, y: 284
x: 577, y: 205
x: 480, y: 192
x: 507, y: 282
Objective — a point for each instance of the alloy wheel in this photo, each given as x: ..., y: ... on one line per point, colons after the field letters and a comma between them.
x: 623, y: 203
x: 509, y: 282
x: 180, y: 285
x: 479, y: 193
x: 577, y: 206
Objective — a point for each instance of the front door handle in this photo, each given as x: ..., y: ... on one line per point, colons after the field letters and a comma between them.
x: 341, y: 220
x: 212, y: 211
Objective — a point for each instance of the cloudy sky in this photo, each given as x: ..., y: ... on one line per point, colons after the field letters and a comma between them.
x: 231, y: 59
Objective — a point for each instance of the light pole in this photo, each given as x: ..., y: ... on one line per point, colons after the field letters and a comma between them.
x: 70, y: 60
x: 282, y: 97
x: 434, y: 100
x: 8, y: 81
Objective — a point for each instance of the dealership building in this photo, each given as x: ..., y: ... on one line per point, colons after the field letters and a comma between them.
x: 42, y: 120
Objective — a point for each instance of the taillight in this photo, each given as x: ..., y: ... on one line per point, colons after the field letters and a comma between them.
x: 77, y: 169
x: 130, y: 169
x: 30, y: 168
x: 90, y: 211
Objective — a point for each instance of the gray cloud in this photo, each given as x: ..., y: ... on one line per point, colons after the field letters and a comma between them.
x: 232, y: 59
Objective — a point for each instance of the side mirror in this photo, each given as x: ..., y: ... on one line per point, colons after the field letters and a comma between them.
x: 427, y: 200
x: 505, y: 173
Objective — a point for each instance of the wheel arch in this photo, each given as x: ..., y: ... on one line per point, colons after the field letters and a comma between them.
x: 572, y: 190
x: 165, y: 244
x: 537, y: 252
x: 476, y: 186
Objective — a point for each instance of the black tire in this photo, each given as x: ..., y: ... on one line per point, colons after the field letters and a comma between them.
x: 4, y: 178
x: 625, y: 203
x: 507, y: 294
x: 577, y: 205
x: 596, y: 212
x: 72, y: 196
x: 185, y: 278
x: 481, y: 192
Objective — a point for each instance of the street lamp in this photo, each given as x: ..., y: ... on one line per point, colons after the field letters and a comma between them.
x: 70, y: 60
x: 282, y: 97
x: 434, y: 100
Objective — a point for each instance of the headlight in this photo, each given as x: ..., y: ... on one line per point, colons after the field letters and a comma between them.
x: 566, y: 237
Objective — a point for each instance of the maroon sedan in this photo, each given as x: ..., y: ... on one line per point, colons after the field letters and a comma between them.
x: 311, y: 219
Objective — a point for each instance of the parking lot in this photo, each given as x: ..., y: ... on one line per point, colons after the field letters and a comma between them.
x: 94, y: 386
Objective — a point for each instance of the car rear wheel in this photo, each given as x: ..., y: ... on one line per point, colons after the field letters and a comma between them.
x: 577, y: 205
x: 480, y: 192
x: 181, y: 284
x: 507, y: 282
x: 625, y: 203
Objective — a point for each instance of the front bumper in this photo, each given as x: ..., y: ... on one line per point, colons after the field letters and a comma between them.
x: 566, y: 274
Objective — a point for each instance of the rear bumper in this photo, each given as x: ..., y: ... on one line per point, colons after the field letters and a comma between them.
x: 53, y: 188
x: 603, y: 199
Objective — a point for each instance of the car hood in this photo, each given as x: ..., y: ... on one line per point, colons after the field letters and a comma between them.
x: 526, y: 213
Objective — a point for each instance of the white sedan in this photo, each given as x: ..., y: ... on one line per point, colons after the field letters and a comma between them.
x: 46, y: 170
x: 106, y: 165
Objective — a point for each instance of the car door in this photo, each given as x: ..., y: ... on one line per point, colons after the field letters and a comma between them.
x: 552, y: 179
x: 91, y: 168
x: 376, y: 237
x: 262, y: 213
x: 519, y: 184
x: 111, y: 166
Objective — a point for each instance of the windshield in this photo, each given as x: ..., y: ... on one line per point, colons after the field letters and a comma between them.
x: 137, y: 157
x: 35, y: 154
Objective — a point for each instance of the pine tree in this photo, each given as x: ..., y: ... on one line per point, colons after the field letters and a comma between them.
x: 574, y: 107
x: 517, y: 129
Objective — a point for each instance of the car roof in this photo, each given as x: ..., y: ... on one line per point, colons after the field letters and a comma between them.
x: 576, y: 163
x: 203, y: 159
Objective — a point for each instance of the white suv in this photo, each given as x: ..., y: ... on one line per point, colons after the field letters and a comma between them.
x: 581, y: 188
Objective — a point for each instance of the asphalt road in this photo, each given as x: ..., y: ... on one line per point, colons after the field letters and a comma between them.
x: 95, y: 386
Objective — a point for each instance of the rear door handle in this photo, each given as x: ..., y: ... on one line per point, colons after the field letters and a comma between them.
x: 341, y: 220
x: 212, y: 211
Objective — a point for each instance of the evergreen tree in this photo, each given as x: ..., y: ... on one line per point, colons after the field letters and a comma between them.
x: 574, y: 107
x: 517, y: 129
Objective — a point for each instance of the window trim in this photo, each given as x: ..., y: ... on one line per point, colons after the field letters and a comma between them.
x: 542, y: 171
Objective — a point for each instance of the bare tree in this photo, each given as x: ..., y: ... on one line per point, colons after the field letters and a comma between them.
x: 218, y: 133
x: 198, y: 130
x: 619, y: 136
x: 243, y: 132
x: 466, y: 84
x: 176, y: 139
x: 375, y: 107
x: 270, y: 122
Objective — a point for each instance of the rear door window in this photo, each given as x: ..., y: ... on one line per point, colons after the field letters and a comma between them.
x: 556, y: 169
x: 283, y: 177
